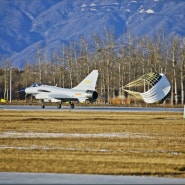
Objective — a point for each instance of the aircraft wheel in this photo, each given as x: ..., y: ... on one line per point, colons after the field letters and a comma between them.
x: 59, y: 106
x: 72, y: 105
x: 42, y: 104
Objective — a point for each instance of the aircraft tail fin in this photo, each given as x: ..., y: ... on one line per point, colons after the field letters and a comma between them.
x: 89, y: 82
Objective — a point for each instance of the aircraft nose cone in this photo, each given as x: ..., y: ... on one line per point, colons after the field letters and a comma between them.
x: 22, y: 90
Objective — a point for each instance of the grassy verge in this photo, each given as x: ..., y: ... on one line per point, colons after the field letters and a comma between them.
x: 93, y: 143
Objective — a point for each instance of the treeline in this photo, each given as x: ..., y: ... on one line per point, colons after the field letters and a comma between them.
x: 117, y: 65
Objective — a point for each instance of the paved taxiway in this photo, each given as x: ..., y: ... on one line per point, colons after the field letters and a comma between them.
x: 94, y: 108
x: 53, y: 178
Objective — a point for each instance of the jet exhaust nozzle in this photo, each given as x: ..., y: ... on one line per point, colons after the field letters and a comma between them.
x: 93, y: 95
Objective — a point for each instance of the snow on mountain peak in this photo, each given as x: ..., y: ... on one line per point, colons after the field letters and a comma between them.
x: 84, y: 5
x: 150, y: 11
x: 141, y: 11
x: 92, y: 4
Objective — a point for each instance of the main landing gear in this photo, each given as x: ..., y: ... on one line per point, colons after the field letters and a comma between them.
x: 59, y: 104
x: 42, y: 104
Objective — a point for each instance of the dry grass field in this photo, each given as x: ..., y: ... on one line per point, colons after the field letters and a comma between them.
x: 93, y: 142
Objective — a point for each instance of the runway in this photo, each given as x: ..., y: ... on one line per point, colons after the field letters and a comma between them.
x: 92, y: 108
x: 53, y: 178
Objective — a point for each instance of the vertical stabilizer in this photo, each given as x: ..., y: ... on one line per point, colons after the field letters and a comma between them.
x: 89, y: 83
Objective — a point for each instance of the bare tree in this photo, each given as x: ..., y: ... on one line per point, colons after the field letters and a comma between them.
x: 174, y: 53
x: 117, y: 67
x: 39, y: 65
x: 182, y: 73
x: 6, y: 79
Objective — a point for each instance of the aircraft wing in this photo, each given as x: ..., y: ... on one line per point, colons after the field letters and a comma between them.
x: 64, y: 97
x: 59, y: 96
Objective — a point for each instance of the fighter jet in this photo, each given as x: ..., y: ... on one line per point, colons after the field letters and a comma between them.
x: 85, y: 90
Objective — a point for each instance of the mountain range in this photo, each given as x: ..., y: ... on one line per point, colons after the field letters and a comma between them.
x: 27, y: 26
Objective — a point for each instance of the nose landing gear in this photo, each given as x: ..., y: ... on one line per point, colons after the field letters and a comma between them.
x: 59, y: 105
x: 72, y: 105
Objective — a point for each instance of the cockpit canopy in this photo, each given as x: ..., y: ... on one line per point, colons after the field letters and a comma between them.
x: 36, y: 85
